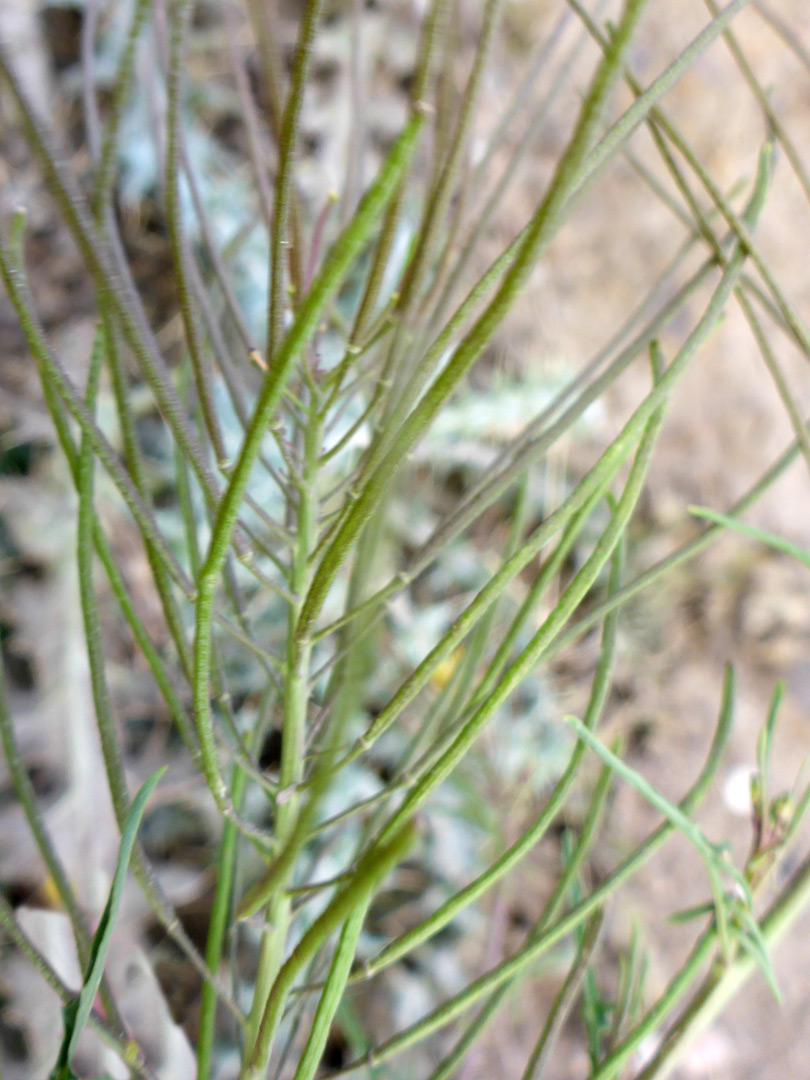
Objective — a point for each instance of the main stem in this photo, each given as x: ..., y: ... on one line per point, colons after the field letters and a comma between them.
x: 296, y: 695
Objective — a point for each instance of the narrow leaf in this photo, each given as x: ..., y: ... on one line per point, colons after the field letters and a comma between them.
x: 768, y: 538
x: 77, y: 1012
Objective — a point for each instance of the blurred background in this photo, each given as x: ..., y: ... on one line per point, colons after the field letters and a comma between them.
x: 725, y: 425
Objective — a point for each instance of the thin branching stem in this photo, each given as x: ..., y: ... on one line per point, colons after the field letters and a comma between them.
x: 334, y: 269
x: 578, y: 167
x: 533, y: 949
x: 285, y: 577
x: 288, y: 137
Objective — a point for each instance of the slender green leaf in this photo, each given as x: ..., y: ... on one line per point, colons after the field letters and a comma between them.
x: 764, y: 537
x: 77, y: 1011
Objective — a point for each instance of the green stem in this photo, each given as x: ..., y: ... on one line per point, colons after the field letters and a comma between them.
x: 369, y: 873
x: 288, y: 138
x: 332, y: 992
x: 51, y: 369
x: 271, y: 891
x: 578, y: 168
x: 528, y: 660
x: 336, y: 266
x: 434, y: 215
x: 105, y: 719
x: 607, y: 465
x: 564, y: 1000
x: 468, y: 895
x: 573, y: 864
x: 720, y: 988
x: 218, y: 926
x: 104, y: 256
x: 529, y: 446
x: 105, y: 169
x: 180, y: 16
x: 514, y: 965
